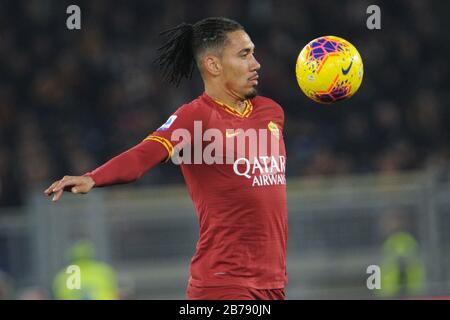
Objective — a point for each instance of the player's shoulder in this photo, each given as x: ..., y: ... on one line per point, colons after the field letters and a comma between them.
x: 261, y: 101
x: 195, y: 107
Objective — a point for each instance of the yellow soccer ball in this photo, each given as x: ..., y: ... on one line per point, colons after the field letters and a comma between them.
x: 329, y: 69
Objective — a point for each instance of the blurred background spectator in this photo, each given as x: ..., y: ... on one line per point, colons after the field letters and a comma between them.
x: 402, y: 262
x: 96, y: 280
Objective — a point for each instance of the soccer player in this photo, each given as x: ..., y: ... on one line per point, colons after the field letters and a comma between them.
x: 240, y: 198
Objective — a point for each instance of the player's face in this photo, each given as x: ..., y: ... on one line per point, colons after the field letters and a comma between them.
x: 239, y: 66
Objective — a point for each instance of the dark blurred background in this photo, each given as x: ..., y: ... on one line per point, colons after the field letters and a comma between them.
x: 368, y: 178
x: 70, y: 100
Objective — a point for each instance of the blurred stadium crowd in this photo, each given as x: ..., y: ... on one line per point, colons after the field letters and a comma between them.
x: 70, y: 100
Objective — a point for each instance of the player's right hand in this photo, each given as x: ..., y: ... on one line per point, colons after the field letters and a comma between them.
x: 74, y: 184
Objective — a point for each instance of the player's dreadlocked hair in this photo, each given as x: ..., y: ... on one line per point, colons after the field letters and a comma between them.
x: 178, y: 55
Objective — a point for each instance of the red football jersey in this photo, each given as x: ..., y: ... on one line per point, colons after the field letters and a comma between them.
x: 239, y: 195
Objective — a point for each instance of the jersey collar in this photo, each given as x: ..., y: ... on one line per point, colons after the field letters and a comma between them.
x: 244, y: 114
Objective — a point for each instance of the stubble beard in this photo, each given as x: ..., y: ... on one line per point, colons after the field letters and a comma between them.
x: 253, y: 93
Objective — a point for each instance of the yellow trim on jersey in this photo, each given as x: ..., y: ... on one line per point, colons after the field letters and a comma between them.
x: 166, y: 143
x: 247, y: 110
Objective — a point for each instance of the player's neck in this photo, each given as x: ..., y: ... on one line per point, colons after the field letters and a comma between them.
x: 226, y: 97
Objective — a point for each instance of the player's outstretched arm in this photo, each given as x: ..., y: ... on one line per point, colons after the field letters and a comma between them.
x: 74, y: 184
x: 124, y: 168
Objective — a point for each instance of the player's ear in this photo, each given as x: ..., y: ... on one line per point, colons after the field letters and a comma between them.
x: 212, y: 65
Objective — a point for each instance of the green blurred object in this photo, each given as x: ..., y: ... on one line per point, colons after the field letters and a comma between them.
x: 98, y: 280
x: 402, y: 270
x: 81, y: 250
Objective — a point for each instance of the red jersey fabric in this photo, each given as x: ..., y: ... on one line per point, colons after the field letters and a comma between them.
x: 233, y: 293
x: 129, y: 165
x: 241, y: 206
